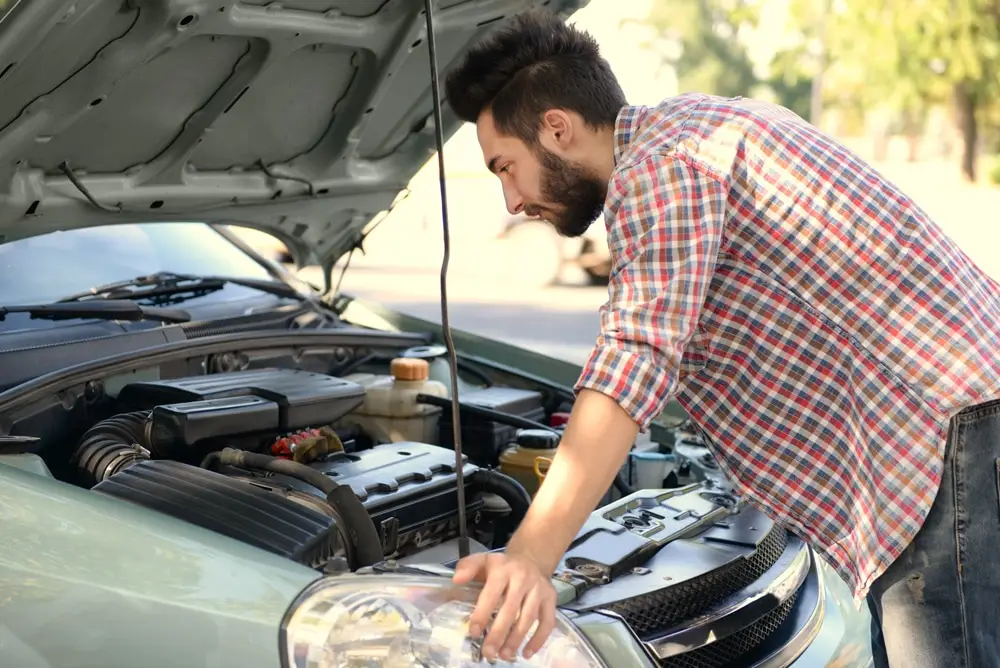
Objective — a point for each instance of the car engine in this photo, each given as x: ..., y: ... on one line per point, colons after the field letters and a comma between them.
x: 266, y: 456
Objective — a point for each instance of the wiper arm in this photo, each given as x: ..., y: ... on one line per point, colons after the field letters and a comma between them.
x: 168, y: 283
x: 108, y: 309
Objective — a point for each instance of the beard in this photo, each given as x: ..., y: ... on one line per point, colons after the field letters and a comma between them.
x: 579, y: 194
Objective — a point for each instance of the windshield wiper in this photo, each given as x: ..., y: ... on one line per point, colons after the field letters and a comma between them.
x: 166, y: 283
x: 109, y: 309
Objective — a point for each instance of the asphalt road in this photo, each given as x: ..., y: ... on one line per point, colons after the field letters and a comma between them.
x: 487, y: 300
x: 486, y: 297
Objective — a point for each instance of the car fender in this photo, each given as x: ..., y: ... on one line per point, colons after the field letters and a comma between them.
x: 88, y: 580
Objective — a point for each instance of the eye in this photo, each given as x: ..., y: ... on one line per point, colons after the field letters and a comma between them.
x: 505, y: 169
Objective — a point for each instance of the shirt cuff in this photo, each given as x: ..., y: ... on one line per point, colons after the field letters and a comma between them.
x: 636, y: 383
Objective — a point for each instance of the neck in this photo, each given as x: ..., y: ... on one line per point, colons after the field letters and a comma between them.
x: 597, y: 155
x: 604, y: 165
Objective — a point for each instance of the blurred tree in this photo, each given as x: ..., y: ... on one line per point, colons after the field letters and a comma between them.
x: 970, y: 49
x: 705, y: 42
x: 794, y: 79
x: 699, y: 39
x: 796, y: 72
x: 910, y: 56
x: 887, y: 59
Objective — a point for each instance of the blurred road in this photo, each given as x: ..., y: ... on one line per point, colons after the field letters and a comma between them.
x: 404, y: 255
x: 403, y: 274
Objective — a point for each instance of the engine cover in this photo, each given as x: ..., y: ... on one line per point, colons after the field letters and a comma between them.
x: 199, y: 408
x: 229, y: 507
x: 409, y: 489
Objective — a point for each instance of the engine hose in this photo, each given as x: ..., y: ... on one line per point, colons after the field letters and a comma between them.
x: 358, y: 527
x: 112, y: 445
x: 514, y: 421
x: 508, y: 489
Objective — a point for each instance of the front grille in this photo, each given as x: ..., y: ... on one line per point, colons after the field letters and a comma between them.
x: 726, y: 653
x: 659, y: 610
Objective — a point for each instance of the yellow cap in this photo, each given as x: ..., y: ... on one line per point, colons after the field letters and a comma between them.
x: 409, y: 368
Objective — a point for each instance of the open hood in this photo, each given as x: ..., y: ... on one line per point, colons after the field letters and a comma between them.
x: 300, y: 118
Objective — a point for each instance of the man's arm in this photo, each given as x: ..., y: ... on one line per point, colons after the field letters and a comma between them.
x: 666, y: 226
x: 599, y: 435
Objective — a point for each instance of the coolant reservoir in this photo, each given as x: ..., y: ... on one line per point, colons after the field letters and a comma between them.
x: 390, y: 412
x: 440, y: 368
x: 518, y: 460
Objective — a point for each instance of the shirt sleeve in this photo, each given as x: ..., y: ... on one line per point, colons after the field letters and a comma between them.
x: 665, y: 219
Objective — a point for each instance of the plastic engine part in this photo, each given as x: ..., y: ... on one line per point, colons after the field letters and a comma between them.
x: 407, y: 488
x: 196, y: 408
x: 483, y: 439
x: 230, y: 507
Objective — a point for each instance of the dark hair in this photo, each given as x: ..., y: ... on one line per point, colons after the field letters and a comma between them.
x: 534, y: 64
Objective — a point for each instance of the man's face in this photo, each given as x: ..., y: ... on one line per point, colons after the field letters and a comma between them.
x: 539, y: 182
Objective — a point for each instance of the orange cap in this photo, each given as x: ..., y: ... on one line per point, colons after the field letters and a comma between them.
x: 410, y: 368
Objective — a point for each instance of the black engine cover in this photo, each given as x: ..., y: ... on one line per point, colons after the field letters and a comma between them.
x: 409, y: 489
x: 197, y: 408
x: 230, y: 507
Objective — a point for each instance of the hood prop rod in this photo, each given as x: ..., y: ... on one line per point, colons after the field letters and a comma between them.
x: 463, y: 532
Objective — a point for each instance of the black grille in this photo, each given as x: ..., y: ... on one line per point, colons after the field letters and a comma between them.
x: 726, y: 652
x: 659, y: 610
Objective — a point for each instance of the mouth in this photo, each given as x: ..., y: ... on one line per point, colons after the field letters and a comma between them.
x: 545, y: 213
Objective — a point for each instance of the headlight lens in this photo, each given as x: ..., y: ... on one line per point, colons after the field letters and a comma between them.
x: 397, y: 621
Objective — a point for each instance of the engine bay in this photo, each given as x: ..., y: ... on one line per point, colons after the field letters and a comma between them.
x: 335, y: 458
x: 334, y: 466
x: 340, y: 458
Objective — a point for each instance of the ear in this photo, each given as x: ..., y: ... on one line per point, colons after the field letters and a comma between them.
x: 557, y: 126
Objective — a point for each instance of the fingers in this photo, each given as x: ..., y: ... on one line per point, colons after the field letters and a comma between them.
x: 508, y: 614
x: 488, y: 600
x: 470, y: 568
x: 526, y: 619
x: 546, y: 622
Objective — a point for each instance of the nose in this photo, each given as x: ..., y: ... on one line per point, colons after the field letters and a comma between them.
x: 513, y: 201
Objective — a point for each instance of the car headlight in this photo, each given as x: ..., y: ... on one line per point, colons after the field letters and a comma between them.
x: 396, y: 621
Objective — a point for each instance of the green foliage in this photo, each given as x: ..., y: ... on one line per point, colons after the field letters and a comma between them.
x: 912, y: 54
x: 791, y: 82
x: 994, y: 174
x: 901, y: 58
x: 710, y: 55
x: 709, y: 59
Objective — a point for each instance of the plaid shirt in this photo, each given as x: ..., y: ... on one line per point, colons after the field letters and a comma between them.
x: 815, y: 323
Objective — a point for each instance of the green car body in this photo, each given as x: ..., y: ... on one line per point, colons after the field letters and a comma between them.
x: 91, y: 581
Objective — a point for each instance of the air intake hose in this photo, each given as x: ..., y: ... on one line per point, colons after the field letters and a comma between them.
x: 112, y: 445
x: 359, y: 528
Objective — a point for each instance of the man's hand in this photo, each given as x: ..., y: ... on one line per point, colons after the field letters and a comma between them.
x: 597, y: 439
x: 528, y: 596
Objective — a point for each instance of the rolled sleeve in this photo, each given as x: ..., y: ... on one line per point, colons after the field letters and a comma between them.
x: 665, y: 219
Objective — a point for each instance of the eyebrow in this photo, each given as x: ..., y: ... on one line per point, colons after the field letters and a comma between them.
x: 492, y: 164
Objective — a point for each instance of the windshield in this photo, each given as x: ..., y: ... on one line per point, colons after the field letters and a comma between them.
x: 50, y: 266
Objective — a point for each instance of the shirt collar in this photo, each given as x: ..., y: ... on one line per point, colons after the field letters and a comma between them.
x: 628, y: 121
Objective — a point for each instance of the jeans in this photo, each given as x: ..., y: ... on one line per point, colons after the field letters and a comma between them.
x: 938, y: 604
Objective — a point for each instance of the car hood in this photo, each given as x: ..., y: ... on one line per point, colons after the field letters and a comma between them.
x: 300, y: 118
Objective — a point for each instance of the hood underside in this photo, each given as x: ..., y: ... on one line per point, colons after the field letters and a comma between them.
x: 301, y: 118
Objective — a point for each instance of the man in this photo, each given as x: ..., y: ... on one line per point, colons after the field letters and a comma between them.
x: 840, y: 352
